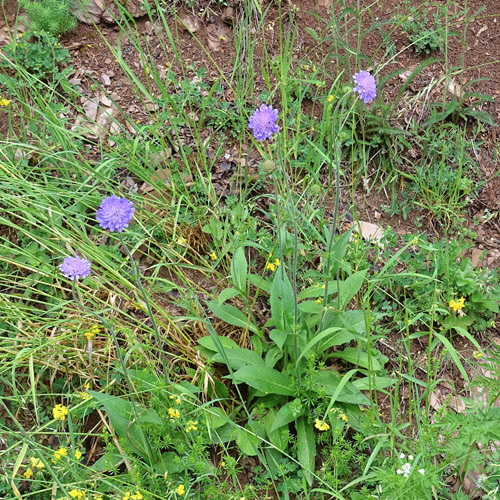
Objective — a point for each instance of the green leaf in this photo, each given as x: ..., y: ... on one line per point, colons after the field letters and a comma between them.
x: 329, y: 334
x: 247, y: 442
x: 265, y: 379
x: 357, y: 357
x: 208, y: 343
x: 327, y: 382
x: 282, y: 301
x: 278, y: 337
x: 227, y: 294
x: 121, y: 415
x: 306, y: 447
x: 232, y: 315
x: 260, y: 282
x: 350, y: 287
x: 239, y: 269
x: 238, y: 358
x: 285, y: 415
x: 378, y: 383
x: 216, y: 417
x: 275, y: 437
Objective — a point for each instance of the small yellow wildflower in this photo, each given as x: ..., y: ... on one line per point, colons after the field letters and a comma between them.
x: 181, y: 241
x: 36, y: 463
x: 78, y: 454
x: 319, y: 301
x: 192, y: 426
x: 213, y: 256
x: 60, y: 412
x: 83, y: 395
x: 321, y: 425
x: 457, y: 305
x: 343, y: 416
x: 174, y: 413
x: 28, y: 474
x: 78, y: 494
x: 477, y: 354
x: 222, y: 464
x: 4, y: 102
x: 58, y: 454
x: 181, y: 490
x: 330, y: 98
x: 314, y: 69
x: 315, y: 285
x: 92, y: 332
x: 178, y: 400
x: 271, y: 266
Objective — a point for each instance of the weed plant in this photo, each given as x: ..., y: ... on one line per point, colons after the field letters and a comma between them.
x: 54, y: 17
x: 215, y: 332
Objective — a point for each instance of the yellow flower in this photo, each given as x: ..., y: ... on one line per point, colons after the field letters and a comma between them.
x: 92, y: 332
x: 181, y: 490
x: 4, y: 102
x: 84, y: 395
x: 58, y: 454
x: 137, y: 496
x: 182, y: 241
x: 78, y: 494
x: 319, y: 301
x: 343, y: 416
x: 60, y: 412
x: 321, y: 425
x: 271, y: 266
x: 28, y: 474
x: 174, y: 413
x: 36, y: 462
x: 192, y: 426
x: 213, y: 256
x: 223, y: 464
x: 277, y: 262
x: 477, y: 354
x: 178, y: 400
x: 78, y: 454
x: 457, y: 305
x: 330, y: 98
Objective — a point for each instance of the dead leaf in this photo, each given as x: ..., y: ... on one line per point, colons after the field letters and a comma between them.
x: 454, y: 88
x: 370, y: 232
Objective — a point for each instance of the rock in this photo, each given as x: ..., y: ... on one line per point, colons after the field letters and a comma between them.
x: 98, y: 11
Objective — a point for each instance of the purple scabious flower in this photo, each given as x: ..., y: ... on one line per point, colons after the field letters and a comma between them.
x: 366, y: 86
x: 75, y: 267
x: 263, y: 122
x: 115, y: 213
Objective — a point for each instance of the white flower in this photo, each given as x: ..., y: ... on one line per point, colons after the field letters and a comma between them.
x: 405, y: 471
x: 410, y: 457
x: 422, y: 471
x: 402, y: 455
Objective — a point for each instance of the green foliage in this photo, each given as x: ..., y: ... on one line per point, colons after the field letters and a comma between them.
x: 431, y: 274
x: 425, y: 35
x: 41, y: 58
x: 55, y: 17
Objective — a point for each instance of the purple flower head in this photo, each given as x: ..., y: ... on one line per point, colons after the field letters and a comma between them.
x: 263, y: 122
x: 75, y: 268
x: 115, y: 213
x: 366, y: 86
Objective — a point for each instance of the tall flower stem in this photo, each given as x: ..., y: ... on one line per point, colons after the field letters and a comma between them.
x: 110, y: 328
x: 136, y: 275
